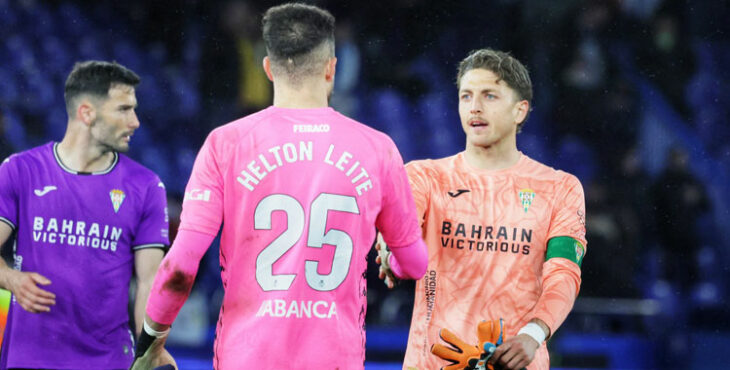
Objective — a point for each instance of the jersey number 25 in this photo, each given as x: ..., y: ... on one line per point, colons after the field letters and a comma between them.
x: 316, y: 237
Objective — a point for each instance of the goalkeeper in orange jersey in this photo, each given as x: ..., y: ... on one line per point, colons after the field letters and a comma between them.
x: 506, y: 234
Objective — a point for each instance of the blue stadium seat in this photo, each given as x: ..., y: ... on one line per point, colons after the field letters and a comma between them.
x: 152, y: 101
x: 185, y: 94
x: 575, y: 157
x: 15, y: 130
x: 20, y: 49
x: 91, y: 47
x: 613, y: 351
x: 142, y: 136
x: 57, y: 59
x: 155, y: 158
x: 392, y: 114
x: 8, y: 87
x: 56, y: 122
x: 441, y: 124
x: 8, y: 18
x: 76, y: 23
x: 127, y: 53
x: 40, y: 21
x: 534, y: 146
x: 183, y: 157
x: 41, y: 91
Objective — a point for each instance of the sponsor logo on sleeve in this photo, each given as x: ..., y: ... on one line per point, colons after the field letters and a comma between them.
x: 581, y: 217
x: 580, y: 229
x: 117, y: 197
x: 198, y: 194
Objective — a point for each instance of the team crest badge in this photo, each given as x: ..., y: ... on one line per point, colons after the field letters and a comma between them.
x: 579, y: 251
x: 526, y: 198
x: 117, y: 199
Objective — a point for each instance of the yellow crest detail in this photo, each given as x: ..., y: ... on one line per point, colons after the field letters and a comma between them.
x: 117, y: 199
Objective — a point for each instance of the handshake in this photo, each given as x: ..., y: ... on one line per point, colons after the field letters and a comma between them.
x: 471, y: 357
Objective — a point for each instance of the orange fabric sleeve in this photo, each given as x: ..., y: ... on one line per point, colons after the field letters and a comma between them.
x: 560, y: 286
x: 420, y: 186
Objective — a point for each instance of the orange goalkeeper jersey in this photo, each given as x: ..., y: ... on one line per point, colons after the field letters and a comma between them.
x: 487, y: 234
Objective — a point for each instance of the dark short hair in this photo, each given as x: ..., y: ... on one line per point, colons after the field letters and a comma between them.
x: 294, y: 33
x: 95, y: 78
x: 506, y: 67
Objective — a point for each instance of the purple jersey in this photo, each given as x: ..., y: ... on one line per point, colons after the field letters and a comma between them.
x: 81, y: 232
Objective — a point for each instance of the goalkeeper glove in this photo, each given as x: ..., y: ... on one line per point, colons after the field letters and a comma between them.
x: 150, y: 352
x: 466, y: 356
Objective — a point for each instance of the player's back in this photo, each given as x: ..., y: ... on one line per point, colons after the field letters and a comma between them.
x: 301, y: 193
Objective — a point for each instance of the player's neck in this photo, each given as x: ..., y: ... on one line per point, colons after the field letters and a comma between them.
x: 78, y: 153
x: 493, y: 158
x: 307, y: 96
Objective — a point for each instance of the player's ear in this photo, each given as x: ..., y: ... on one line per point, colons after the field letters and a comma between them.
x: 520, y: 111
x: 267, y: 68
x: 329, y: 70
x: 86, y: 112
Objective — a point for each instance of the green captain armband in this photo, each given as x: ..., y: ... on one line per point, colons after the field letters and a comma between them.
x: 565, y: 247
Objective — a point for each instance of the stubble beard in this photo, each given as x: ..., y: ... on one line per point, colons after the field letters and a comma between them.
x: 108, y: 139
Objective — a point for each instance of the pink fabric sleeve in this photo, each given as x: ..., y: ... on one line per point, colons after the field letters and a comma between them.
x: 176, y: 275
x: 203, y: 203
x: 398, y: 220
x: 410, y: 261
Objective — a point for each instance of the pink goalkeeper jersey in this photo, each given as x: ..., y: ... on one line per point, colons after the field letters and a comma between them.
x: 299, y: 193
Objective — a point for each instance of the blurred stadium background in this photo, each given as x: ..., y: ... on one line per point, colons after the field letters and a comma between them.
x: 630, y: 96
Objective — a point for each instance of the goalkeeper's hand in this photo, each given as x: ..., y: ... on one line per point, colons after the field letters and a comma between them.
x: 515, y: 353
x: 151, y: 354
x: 466, y: 356
x: 384, y: 273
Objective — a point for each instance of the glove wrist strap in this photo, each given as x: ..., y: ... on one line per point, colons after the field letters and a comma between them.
x: 534, y: 331
x: 153, y: 332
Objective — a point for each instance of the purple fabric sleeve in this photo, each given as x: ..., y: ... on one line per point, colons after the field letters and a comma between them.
x: 9, y: 181
x: 153, y: 226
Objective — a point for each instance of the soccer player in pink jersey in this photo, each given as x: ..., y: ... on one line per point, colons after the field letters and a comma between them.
x: 506, y: 234
x: 299, y: 189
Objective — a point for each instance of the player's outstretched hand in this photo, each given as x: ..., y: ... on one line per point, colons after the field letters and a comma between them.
x: 24, y: 285
x: 385, y: 273
x: 515, y: 353
x: 156, y: 357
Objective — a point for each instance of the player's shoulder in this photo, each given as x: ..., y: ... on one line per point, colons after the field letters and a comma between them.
x: 232, y: 131
x: 35, y: 155
x: 136, y: 170
x: 432, y: 165
x: 368, y: 135
x: 244, y: 122
x: 544, y: 172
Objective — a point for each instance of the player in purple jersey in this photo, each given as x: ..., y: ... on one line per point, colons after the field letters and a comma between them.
x: 87, y: 219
